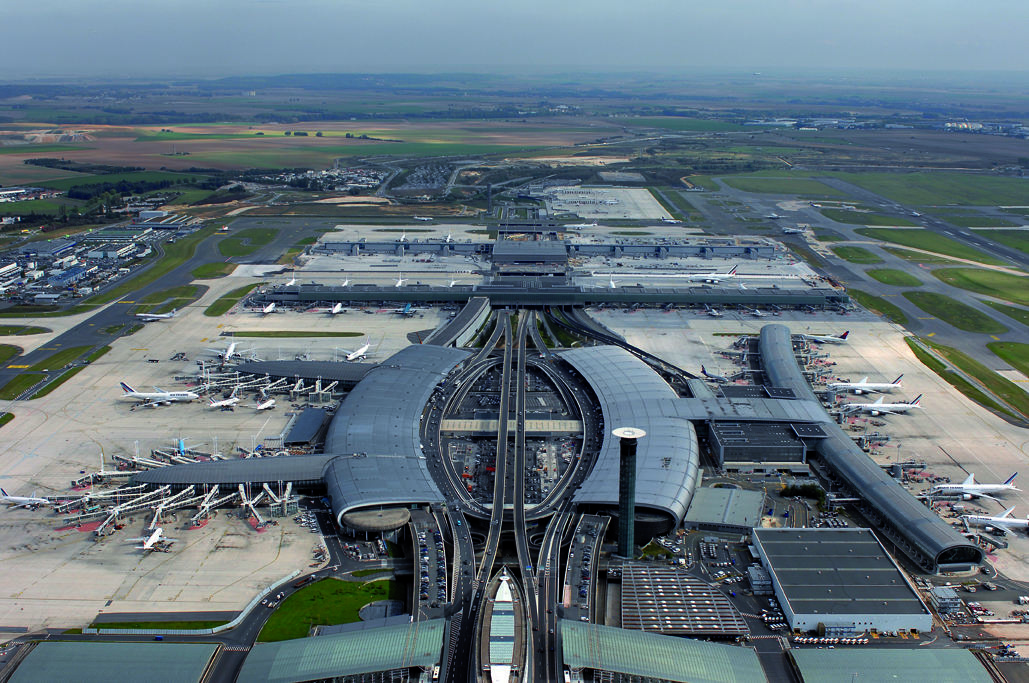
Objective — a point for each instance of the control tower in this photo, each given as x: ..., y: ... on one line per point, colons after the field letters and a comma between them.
x: 627, y: 489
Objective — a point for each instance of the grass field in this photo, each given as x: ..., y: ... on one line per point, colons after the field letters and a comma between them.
x: 1013, y: 312
x: 929, y: 241
x: 925, y: 189
x: 1013, y: 288
x: 917, y: 256
x: 897, y: 278
x: 704, y: 181
x: 856, y: 255
x: 1005, y: 389
x: 61, y: 379
x: 131, y: 176
x: 5, y: 418
x: 325, y: 602
x: 228, y: 300
x: 362, y: 573
x: 802, y: 187
x: 171, y: 299
x: 863, y: 218
x: 247, y: 241
x: 955, y: 313
x: 22, y: 330
x: 59, y: 359
x: 1016, y: 239
x: 283, y: 334
x: 8, y: 351
x: 1014, y: 353
x: 681, y: 123
x: 35, y: 149
x: 211, y: 271
x: 19, y: 384
x: 970, y: 391
x: 879, y: 305
x: 40, y: 206
x: 182, y: 292
x: 965, y: 219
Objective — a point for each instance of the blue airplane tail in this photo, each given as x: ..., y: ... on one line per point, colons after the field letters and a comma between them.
x: 897, y: 381
x: 127, y: 388
x: 1011, y: 479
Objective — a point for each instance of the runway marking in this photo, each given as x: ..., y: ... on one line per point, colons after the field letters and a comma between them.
x: 994, y: 337
x: 126, y: 302
x: 18, y: 367
x: 931, y: 334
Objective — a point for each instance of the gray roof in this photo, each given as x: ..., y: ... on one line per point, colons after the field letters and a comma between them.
x: 726, y: 506
x: 836, y: 571
x: 306, y: 427
x: 347, y: 374
x: 921, y: 526
x: 631, y: 394
x: 102, y: 662
x: 448, y: 333
x: 507, y: 251
x: 603, y: 648
x: 749, y: 409
x: 406, y: 646
x: 889, y: 665
x: 295, y: 468
x: 379, y: 421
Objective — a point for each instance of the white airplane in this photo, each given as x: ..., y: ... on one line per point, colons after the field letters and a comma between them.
x: 1005, y: 522
x: 715, y: 378
x: 880, y: 408
x: 612, y: 284
x: 581, y: 226
x: 449, y: 239
x: 756, y: 312
x: 422, y: 218
x: 155, y: 541
x: 359, y: 354
x: 400, y: 281
x: 825, y: 338
x: 968, y: 489
x: 345, y: 282
x: 270, y: 308
x: 336, y: 309
x: 157, y: 397
x: 713, y: 312
x: 793, y: 231
x: 453, y: 282
x: 225, y: 403
x: 866, y: 387
x: 32, y: 501
x: 774, y: 216
x: 403, y: 236
x: 671, y: 220
x: 292, y: 281
x: 152, y: 317
x: 227, y: 354
x: 265, y: 405
x: 711, y: 277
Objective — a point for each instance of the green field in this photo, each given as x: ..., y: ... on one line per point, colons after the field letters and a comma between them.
x: 20, y: 383
x: 131, y: 176
x: 1013, y: 288
x: 246, y: 242
x: 1003, y: 388
x: 960, y: 383
x: 1013, y: 312
x: 5, y: 418
x: 59, y: 359
x: 863, y: 217
x: 61, y: 379
x: 879, y: 305
x: 229, y: 299
x: 22, y: 330
x: 325, y: 602
x: 37, y: 206
x: 181, y: 292
x: 8, y: 351
x: 856, y: 255
x: 918, y: 257
x: 210, y: 271
x: 1016, y: 239
x: 933, y: 188
x: 918, y: 238
x: 704, y: 181
x: 171, y: 299
x: 955, y: 313
x: 1014, y: 353
x: 281, y: 334
x: 897, y: 278
x: 802, y: 187
x: 35, y: 149
x: 682, y: 123
x: 965, y: 219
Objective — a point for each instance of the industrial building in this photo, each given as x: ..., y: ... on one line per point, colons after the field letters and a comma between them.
x: 594, y: 653
x: 111, y: 251
x: 662, y: 599
x: 162, y: 220
x: 728, y: 510
x: 118, y: 233
x: 888, y: 664
x: 945, y: 600
x: 838, y: 582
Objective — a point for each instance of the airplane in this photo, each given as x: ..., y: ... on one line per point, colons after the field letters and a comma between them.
x: 715, y: 378
x: 449, y: 239
x: 825, y: 338
x: 345, y: 282
x: 227, y: 403
x: 774, y: 216
x: 157, y: 397
x: 711, y: 277
x: 400, y: 281
x: 671, y: 220
x: 865, y: 387
x: 225, y: 228
x: 403, y: 236
x: 422, y: 218
x: 228, y: 354
x: 612, y: 284
x: 968, y: 489
x: 756, y: 312
x: 1003, y: 523
x: 270, y: 308
x: 359, y: 354
x: 713, y: 312
x: 336, y: 309
x: 292, y: 281
x: 453, y: 282
x: 265, y: 405
x: 407, y: 310
x: 793, y: 231
x: 580, y: 226
x: 153, y: 317
x: 880, y: 408
x: 31, y: 502
x: 155, y: 541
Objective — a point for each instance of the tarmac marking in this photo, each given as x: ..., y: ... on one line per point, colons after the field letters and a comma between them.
x: 18, y: 367
x: 126, y: 302
x: 931, y: 334
x: 994, y: 337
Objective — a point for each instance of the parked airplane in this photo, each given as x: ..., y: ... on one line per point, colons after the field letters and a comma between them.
x: 1004, y: 523
x: 155, y: 541
x: 422, y: 218
x: 825, y: 338
x: 711, y: 277
x: 671, y: 220
x: 968, y: 489
x: 449, y: 239
x: 270, y: 308
x: 32, y: 501
x: 227, y: 403
x: 292, y: 281
x: 713, y: 312
x: 580, y: 226
x: 345, y: 282
x: 756, y: 312
x: 336, y: 309
x: 880, y: 408
x: 227, y: 354
x: 453, y: 282
x: 774, y: 216
x: 793, y: 231
x: 265, y: 405
x: 406, y: 309
x: 400, y: 281
x: 403, y: 236
x: 866, y: 387
x: 715, y: 378
x: 157, y: 397
x: 152, y: 317
x: 359, y: 354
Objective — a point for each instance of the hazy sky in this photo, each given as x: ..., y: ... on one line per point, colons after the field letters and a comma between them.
x: 224, y: 37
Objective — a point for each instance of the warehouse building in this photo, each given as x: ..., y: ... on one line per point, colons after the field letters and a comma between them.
x: 116, y: 233
x: 838, y: 582
x: 727, y: 510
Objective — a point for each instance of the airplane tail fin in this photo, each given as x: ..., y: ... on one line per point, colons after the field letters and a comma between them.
x: 917, y: 399
x: 844, y: 335
x: 733, y: 271
x: 125, y: 387
x: 4, y: 493
x: 1011, y: 479
x: 897, y: 381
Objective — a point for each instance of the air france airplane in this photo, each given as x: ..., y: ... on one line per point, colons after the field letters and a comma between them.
x: 866, y: 387
x: 968, y: 489
x: 825, y: 338
x: 23, y: 501
x: 157, y: 397
x: 880, y: 408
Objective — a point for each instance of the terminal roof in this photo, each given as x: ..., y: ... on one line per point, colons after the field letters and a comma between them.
x: 889, y: 664
x: 103, y: 662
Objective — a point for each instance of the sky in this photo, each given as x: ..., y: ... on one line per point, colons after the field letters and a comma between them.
x: 210, y: 38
